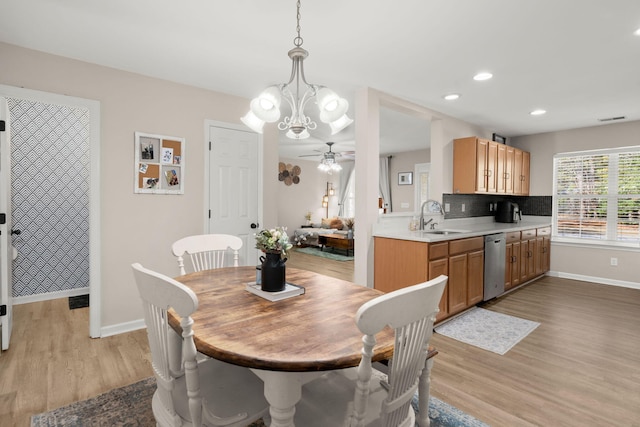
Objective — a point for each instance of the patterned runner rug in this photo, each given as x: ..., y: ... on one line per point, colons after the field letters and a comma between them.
x: 487, y: 329
x: 131, y: 406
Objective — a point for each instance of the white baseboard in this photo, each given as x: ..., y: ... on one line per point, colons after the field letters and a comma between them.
x: 122, y: 328
x: 50, y: 295
x: 600, y: 280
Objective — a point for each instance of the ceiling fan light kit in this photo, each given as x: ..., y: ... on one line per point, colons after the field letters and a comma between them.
x: 328, y: 162
x: 297, y: 92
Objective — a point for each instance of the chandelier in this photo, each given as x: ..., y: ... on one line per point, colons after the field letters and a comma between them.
x: 297, y: 92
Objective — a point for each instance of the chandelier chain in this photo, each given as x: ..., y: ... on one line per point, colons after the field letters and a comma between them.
x: 298, y: 40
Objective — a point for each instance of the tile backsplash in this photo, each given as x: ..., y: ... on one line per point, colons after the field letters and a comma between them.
x: 480, y: 204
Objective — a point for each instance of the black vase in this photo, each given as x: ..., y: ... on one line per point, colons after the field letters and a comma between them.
x: 273, y: 272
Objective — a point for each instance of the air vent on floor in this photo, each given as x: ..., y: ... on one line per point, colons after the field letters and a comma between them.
x: 610, y: 119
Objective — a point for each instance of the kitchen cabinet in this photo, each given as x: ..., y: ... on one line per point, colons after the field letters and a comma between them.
x: 439, y: 264
x: 510, y: 156
x: 474, y: 165
x: 401, y: 263
x: 521, y: 167
x: 543, y: 247
x: 512, y: 262
x: 466, y: 273
x: 483, y: 166
x: 475, y: 277
x: 527, y: 255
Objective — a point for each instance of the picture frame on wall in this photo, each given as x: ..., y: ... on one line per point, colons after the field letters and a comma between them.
x: 405, y: 178
x: 159, y: 164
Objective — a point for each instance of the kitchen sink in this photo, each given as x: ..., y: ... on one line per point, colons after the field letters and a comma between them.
x: 443, y: 231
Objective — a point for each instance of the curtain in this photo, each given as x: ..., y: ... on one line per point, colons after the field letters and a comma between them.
x: 385, y: 188
x: 346, y: 175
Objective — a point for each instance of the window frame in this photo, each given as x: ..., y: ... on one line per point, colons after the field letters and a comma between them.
x: 611, y: 198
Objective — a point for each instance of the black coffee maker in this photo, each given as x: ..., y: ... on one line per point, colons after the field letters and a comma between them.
x: 508, y: 212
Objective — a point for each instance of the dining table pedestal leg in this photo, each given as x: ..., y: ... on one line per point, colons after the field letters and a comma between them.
x: 283, y: 390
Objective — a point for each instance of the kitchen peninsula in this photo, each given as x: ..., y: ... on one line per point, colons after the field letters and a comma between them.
x: 456, y: 248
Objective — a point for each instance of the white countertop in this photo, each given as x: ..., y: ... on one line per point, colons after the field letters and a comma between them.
x: 467, y: 227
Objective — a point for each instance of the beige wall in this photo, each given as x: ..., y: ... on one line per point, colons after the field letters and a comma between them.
x: 545, y: 145
x: 405, y: 162
x: 295, y: 200
x: 573, y: 260
x: 139, y: 227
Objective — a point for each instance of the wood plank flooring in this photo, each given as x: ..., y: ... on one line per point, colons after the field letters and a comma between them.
x: 580, y: 367
x: 52, y: 362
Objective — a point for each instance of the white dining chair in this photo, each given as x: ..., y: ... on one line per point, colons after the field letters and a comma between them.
x: 207, y: 251
x: 363, y: 396
x: 192, y: 393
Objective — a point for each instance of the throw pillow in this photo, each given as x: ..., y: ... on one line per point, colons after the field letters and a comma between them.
x: 336, y: 223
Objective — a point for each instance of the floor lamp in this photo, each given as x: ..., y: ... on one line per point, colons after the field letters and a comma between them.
x: 325, y: 199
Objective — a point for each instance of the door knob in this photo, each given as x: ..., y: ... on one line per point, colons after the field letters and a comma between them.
x: 254, y: 225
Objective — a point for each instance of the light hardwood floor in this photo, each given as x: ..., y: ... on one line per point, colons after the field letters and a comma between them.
x: 581, y: 367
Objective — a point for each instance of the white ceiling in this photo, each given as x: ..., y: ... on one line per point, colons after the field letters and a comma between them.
x: 577, y: 59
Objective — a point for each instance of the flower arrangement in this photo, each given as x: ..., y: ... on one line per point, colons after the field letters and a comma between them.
x: 307, y: 216
x: 274, y: 240
x: 349, y: 222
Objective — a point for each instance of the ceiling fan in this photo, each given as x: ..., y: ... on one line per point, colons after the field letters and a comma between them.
x: 331, y: 155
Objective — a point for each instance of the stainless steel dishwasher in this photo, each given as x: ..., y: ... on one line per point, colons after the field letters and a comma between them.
x: 494, y: 265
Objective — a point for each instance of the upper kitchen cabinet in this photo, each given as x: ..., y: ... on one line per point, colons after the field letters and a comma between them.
x: 488, y: 167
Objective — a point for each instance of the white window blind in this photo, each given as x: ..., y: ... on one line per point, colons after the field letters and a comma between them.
x: 597, y: 196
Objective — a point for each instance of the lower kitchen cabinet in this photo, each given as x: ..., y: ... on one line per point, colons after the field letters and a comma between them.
x: 458, y: 282
x: 528, y: 255
x: 466, y: 273
x: 475, y: 277
x: 543, y: 246
x: 462, y: 260
x: 512, y: 263
x: 439, y: 264
x: 399, y: 263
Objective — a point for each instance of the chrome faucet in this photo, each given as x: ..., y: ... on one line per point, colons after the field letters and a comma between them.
x: 435, y: 202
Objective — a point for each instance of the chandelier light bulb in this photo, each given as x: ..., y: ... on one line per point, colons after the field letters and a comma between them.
x: 253, y: 122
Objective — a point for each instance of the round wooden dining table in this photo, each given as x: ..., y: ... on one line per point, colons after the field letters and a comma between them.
x: 286, y: 343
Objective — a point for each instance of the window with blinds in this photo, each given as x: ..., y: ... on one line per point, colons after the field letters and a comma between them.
x: 597, y: 196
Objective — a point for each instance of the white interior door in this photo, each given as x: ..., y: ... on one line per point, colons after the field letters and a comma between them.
x: 234, y: 159
x: 6, y: 250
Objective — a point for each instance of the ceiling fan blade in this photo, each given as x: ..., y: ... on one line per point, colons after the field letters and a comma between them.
x: 311, y: 155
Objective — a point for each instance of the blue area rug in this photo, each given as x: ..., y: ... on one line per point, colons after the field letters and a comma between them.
x: 327, y: 253
x: 442, y: 414
x: 131, y: 406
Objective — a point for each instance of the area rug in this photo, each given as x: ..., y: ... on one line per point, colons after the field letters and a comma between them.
x: 131, y: 406
x: 327, y: 253
x: 487, y: 329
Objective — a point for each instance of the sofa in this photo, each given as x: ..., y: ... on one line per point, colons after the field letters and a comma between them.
x: 308, y: 236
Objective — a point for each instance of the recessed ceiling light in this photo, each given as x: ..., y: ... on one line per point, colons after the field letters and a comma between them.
x: 451, y: 96
x: 538, y: 112
x: 482, y: 76
x: 637, y: 32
